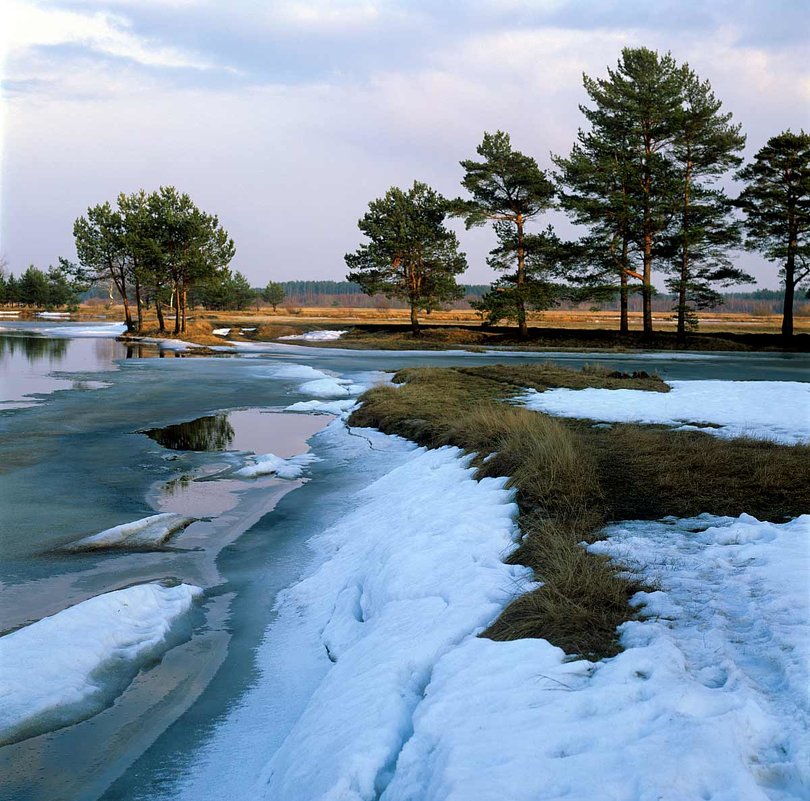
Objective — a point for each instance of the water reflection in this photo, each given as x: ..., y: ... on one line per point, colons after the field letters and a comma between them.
x: 34, y: 348
x: 213, y: 433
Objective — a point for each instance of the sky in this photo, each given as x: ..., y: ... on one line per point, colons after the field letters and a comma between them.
x: 286, y: 118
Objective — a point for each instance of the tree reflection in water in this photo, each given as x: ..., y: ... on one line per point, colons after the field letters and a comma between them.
x: 34, y: 348
x: 213, y: 433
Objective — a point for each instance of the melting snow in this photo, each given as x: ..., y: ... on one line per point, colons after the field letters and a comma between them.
x: 316, y: 336
x: 221, y: 332
x: 67, y: 667
x: 773, y: 410
x: 414, y: 570
x: 269, y: 463
x: 148, y: 531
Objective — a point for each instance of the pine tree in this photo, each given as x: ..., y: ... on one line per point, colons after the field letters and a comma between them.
x: 410, y: 255
x: 776, y: 205
x: 637, y: 106
x: 704, y: 148
x: 273, y: 293
x: 508, y: 189
x: 544, y: 258
x: 595, y: 182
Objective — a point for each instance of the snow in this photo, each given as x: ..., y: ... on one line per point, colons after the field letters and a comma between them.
x: 148, y: 531
x: 708, y: 701
x: 83, y: 330
x: 338, y: 407
x: 771, y: 410
x: 415, y: 569
x: 326, y: 388
x: 53, y: 315
x: 67, y: 667
x: 316, y: 336
x: 269, y: 463
x: 221, y: 332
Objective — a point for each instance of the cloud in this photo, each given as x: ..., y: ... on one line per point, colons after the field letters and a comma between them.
x: 287, y: 118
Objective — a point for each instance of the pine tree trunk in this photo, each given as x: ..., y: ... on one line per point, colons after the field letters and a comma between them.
x: 183, y: 298
x: 176, y: 304
x: 415, y: 330
x: 646, y: 288
x: 683, y: 279
x: 624, y: 324
x: 790, y: 278
x: 139, y: 303
x: 159, y: 312
x: 521, y: 280
x: 787, y: 309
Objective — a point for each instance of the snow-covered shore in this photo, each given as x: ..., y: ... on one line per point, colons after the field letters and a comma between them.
x: 773, y: 410
x: 66, y: 667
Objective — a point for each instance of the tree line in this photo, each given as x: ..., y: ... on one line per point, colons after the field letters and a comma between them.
x: 643, y: 179
x: 53, y: 289
x: 153, y: 248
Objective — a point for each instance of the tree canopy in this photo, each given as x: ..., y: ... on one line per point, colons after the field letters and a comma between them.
x: 410, y: 254
x: 159, y: 245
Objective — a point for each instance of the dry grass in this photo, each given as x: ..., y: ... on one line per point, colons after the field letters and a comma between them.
x: 571, y: 478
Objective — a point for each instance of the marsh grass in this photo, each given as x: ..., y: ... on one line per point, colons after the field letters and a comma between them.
x: 571, y: 479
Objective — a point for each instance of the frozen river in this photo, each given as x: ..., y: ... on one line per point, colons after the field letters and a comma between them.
x: 93, y: 436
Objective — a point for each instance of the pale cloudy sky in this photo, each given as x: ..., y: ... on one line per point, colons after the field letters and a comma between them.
x: 285, y: 118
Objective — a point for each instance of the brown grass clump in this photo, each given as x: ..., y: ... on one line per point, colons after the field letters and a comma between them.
x: 649, y: 472
x: 571, y: 478
x: 551, y: 376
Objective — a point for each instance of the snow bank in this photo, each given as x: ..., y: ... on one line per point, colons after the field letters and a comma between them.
x: 327, y: 388
x: 708, y: 701
x: 148, y: 531
x: 221, y: 332
x: 83, y: 330
x: 773, y: 410
x: 316, y: 336
x: 414, y: 570
x: 53, y: 315
x: 67, y: 667
x: 337, y: 407
x: 269, y: 463
x: 322, y: 385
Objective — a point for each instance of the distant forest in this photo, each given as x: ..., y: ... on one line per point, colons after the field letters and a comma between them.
x: 346, y: 293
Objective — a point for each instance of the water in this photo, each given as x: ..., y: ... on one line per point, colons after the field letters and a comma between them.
x: 94, y: 435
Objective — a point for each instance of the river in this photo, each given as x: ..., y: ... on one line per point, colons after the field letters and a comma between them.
x: 84, y: 446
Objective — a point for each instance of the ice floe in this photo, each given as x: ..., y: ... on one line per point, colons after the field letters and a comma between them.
x: 269, y: 463
x: 149, y: 531
x: 316, y: 336
x: 772, y: 410
x: 69, y: 666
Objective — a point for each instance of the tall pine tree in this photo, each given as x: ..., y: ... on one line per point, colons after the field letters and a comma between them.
x: 776, y: 205
x: 704, y: 148
x: 509, y: 190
